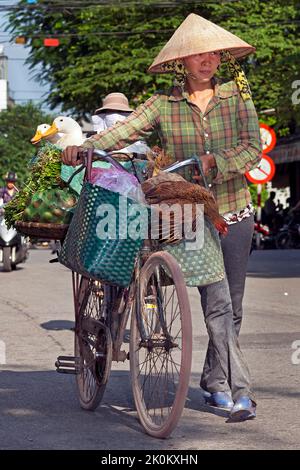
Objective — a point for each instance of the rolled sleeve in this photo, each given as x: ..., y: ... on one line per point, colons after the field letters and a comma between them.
x: 139, y: 125
x: 247, y: 153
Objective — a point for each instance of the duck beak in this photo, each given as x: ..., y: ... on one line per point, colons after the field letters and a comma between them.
x: 37, y: 137
x: 51, y: 131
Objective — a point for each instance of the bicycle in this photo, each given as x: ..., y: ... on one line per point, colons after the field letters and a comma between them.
x: 160, y: 351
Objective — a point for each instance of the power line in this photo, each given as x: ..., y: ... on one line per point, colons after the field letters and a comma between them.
x: 112, y: 33
x: 133, y: 33
x: 27, y: 91
x: 27, y: 99
x: 102, y: 33
x: 79, y: 6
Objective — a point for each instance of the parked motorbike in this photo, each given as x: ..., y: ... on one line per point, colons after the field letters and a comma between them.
x: 289, y: 236
x: 13, y: 246
x: 262, y: 238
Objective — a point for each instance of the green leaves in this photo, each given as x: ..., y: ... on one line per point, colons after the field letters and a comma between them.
x: 17, y: 126
x: 109, y: 48
x: 44, y: 175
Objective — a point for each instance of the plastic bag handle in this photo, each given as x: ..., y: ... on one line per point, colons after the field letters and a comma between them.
x: 88, y: 160
x: 200, y: 168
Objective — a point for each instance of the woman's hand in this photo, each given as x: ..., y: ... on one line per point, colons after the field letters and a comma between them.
x: 208, y: 163
x: 72, y: 155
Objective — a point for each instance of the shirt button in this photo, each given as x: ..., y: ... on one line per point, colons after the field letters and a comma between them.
x: 204, y: 119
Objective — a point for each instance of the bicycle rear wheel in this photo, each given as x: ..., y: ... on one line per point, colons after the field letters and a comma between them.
x: 160, y: 345
x: 93, y: 343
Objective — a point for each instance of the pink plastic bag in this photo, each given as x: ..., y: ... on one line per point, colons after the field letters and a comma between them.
x: 118, y: 181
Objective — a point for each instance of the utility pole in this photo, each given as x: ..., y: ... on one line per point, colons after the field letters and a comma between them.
x: 3, y: 80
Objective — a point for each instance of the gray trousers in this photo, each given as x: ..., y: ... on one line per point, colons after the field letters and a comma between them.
x: 236, y: 249
x: 222, y: 307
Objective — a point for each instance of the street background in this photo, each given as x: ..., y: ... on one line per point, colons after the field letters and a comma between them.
x: 39, y: 408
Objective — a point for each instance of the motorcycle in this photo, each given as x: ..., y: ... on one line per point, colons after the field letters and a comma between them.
x: 262, y: 238
x: 289, y: 236
x: 14, y: 248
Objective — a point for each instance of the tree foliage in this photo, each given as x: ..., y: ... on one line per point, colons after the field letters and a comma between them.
x: 253, y: 191
x: 108, y: 46
x: 17, y: 127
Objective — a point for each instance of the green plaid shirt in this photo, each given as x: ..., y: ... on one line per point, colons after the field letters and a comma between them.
x: 228, y: 129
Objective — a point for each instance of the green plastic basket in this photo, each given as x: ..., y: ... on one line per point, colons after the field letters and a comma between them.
x: 109, y: 259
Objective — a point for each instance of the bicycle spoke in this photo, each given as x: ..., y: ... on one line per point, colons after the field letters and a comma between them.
x: 160, y: 348
x: 92, y: 347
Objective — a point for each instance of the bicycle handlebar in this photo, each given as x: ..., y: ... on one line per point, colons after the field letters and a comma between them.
x: 108, y: 157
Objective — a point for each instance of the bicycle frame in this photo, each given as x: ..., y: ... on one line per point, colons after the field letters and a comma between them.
x: 118, y: 307
x: 118, y: 302
x: 160, y: 345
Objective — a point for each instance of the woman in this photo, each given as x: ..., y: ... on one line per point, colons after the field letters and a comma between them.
x: 8, y: 191
x: 218, y: 122
x: 115, y: 108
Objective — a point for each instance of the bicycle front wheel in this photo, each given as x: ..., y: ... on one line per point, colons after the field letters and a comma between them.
x: 160, y: 345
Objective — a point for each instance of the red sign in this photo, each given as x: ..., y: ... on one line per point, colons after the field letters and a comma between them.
x: 268, y: 137
x: 264, y: 172
x: 51, y: 42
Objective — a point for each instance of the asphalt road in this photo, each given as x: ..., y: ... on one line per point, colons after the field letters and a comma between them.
x: 39, y: 408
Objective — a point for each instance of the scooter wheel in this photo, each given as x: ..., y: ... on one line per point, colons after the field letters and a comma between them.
x: 7, y: 265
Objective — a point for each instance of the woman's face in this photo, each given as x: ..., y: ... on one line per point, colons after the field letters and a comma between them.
x: 202, y: 66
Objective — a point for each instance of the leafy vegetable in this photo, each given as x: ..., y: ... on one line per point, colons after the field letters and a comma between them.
x: 44, y: 175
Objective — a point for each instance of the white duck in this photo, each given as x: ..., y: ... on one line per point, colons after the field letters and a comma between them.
x: 71, y: 130
x: 39, y: 135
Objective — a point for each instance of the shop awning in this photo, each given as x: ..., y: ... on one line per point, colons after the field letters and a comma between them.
x: 286, y: 153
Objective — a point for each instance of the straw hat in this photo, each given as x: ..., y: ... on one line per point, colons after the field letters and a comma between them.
x: 196, y: 35
x: 115, y: 101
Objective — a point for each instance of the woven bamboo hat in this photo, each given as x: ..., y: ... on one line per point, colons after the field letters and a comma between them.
x: 196, y: 35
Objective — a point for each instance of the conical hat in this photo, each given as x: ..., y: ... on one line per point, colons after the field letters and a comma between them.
x: 197, y: 35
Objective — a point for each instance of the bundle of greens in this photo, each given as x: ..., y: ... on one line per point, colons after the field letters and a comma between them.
x: 44, y: 176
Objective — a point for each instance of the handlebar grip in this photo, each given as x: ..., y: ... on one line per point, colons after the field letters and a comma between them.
x: 80, y: 156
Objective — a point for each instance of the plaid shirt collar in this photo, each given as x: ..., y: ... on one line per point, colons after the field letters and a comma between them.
x: 221, y: 90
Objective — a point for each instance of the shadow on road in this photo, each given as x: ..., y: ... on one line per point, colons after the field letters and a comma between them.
x: 11, y: 273
x: 58, y: 325
x: 274, y: 264
x: 40, y: 410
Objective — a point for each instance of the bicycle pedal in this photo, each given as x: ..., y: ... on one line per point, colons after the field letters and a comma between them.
x: 67, y: 365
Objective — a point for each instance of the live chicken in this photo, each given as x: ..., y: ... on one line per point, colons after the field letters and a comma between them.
x: 172, y: 189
